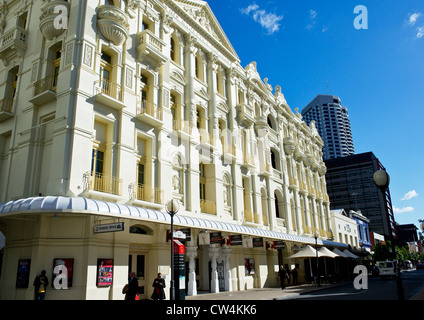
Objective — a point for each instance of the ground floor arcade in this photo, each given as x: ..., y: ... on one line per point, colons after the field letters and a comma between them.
x: 88, y: 247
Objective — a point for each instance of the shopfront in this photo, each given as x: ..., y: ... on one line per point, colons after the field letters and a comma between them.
x: 98, y: 243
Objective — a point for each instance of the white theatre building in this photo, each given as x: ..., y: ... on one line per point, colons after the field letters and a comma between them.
x: 108, y: 109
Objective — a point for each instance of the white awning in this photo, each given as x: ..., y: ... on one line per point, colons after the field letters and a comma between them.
x: 327, y: 253
x: 53, y: 204
x: 340, y: 253
x: 306, y: 252
x: 350, y: 254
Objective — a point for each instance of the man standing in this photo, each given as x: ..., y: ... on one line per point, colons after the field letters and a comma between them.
x: 283, y: 276
x: 40, y: 285
x: 132, y: 287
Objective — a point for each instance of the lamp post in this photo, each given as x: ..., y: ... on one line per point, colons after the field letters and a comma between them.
x: 172, y: 207
x: 316, y: 249
x: 382, y: 180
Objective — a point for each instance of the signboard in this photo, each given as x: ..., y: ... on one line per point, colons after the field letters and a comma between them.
x: 104, y: 272
x: 279, y: 244
x: 258, y: 242
x: 22, y: 278
x: 179, y: 234
x: 63, y: 270
x: 112, y: 227
x: 236, y: 240
x: 215, y: 237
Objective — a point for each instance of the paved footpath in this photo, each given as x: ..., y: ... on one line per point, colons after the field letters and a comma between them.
x: 274, y: 293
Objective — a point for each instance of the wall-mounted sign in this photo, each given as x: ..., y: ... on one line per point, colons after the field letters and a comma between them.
x: 112, y: 227
x: 258, y: 242
x: 236, y: 240
x: 22, y: 278
x: 62, y: 273
x: 279, y: 244
x: 216, y: 237
x: 104, y: 272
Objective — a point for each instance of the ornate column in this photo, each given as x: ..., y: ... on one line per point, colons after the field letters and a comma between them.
x: 227, y: 272
x: 190, y: 51
x: 213, y: 254
x: 192, y: 285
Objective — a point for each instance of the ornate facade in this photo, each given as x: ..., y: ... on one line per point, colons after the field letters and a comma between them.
x: 134, y: 103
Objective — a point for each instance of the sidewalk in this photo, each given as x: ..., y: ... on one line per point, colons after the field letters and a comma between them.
x: 261, y: 293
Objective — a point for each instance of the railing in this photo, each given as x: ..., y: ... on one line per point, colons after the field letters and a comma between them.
x: 15, y: 36
x: 207, y: 206
x: 6, y: 105
x: 149, y: 108
x: 147, y: 193
x: 102, y: 183
x: 48, y: 83
x: 109, y: 88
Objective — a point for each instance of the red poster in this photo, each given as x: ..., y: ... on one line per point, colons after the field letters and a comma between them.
x: 104, y: 272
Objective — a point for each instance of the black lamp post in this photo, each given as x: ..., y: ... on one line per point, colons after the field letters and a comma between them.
x: 172, y: 207
x: 316, y: 249
x: 382, y: 180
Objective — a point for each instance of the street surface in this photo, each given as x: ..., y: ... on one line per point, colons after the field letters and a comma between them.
x: 378, y: 289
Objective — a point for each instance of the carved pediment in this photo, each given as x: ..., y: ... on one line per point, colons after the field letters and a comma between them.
x: 202, y: 14
x: 179, y: 78
x: 203, y: 94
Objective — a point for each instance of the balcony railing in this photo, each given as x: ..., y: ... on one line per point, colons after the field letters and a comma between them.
x: 13, y: 42
x: 147, y: 193
x: 6, y: 105
x: 102, y: 183
x: 207, y: 206
x: 110, y: 89
x: 150, y: 109
x: 48, y: 83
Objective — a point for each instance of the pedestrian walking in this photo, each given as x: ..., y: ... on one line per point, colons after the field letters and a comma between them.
x: 283, y: 276
x: 132, y: 289
x: 40, y: 286
x: 158, y: 285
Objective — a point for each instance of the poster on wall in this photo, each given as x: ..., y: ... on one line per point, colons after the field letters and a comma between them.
x: 22, y: 278
x: 63, y: 271
x: 104, y: 272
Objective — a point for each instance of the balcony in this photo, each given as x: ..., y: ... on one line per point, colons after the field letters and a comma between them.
x: 13, y: 43
x: 149, y: 46
x: 44, y: 90
x: 244, y: 114
x: 109, y: 93
x: 113, y: 24
x: 265, y: 169
x: 207, y: 206
x: 147, y: 193
x: 149, y: 113
x: 102, y: 183
x: 48, y: 16
x: 6, y: 109
x: 248, y: 160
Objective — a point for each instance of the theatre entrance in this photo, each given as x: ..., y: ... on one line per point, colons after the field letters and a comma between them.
x: 137, y: 263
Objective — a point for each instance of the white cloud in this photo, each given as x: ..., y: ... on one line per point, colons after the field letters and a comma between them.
x: 420, y: 32
x: 312, y: 14
x: 402, y: 210
x: 413, y: 17
x: 270, y: 21
x: 410, y: 195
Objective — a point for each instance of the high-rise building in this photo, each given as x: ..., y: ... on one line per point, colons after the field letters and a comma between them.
x: 350, y: 185
x: 108, y: 109
x: 333, y: 124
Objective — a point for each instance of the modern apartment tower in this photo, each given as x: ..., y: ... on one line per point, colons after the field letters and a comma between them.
x: 332, y: 122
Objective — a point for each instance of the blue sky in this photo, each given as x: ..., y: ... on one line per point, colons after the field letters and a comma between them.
x: 377, y: 72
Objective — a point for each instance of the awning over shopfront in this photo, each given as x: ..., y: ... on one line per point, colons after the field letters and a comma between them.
x: 81, y: 205
x: 340, y: 253
x: 324, y: 252
x: 350, y: 254
x: 306, y: 252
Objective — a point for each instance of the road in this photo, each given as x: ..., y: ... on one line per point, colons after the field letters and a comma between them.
x: 378, y: 289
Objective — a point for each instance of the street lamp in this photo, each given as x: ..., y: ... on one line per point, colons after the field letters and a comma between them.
x: 382, y: 180
x: 172, y: 207
x: 316, y: 249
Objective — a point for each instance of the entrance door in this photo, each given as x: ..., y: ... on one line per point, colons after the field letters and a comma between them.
x: 137, y: 263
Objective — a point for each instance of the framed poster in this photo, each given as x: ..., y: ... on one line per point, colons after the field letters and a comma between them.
x: 63, y: 271
x: 22, y: 277
x: 104, y: 272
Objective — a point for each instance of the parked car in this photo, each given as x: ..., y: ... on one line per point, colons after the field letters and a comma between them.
x: 419, y: 265
x: 407, y: 264
x: 387, y: 269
